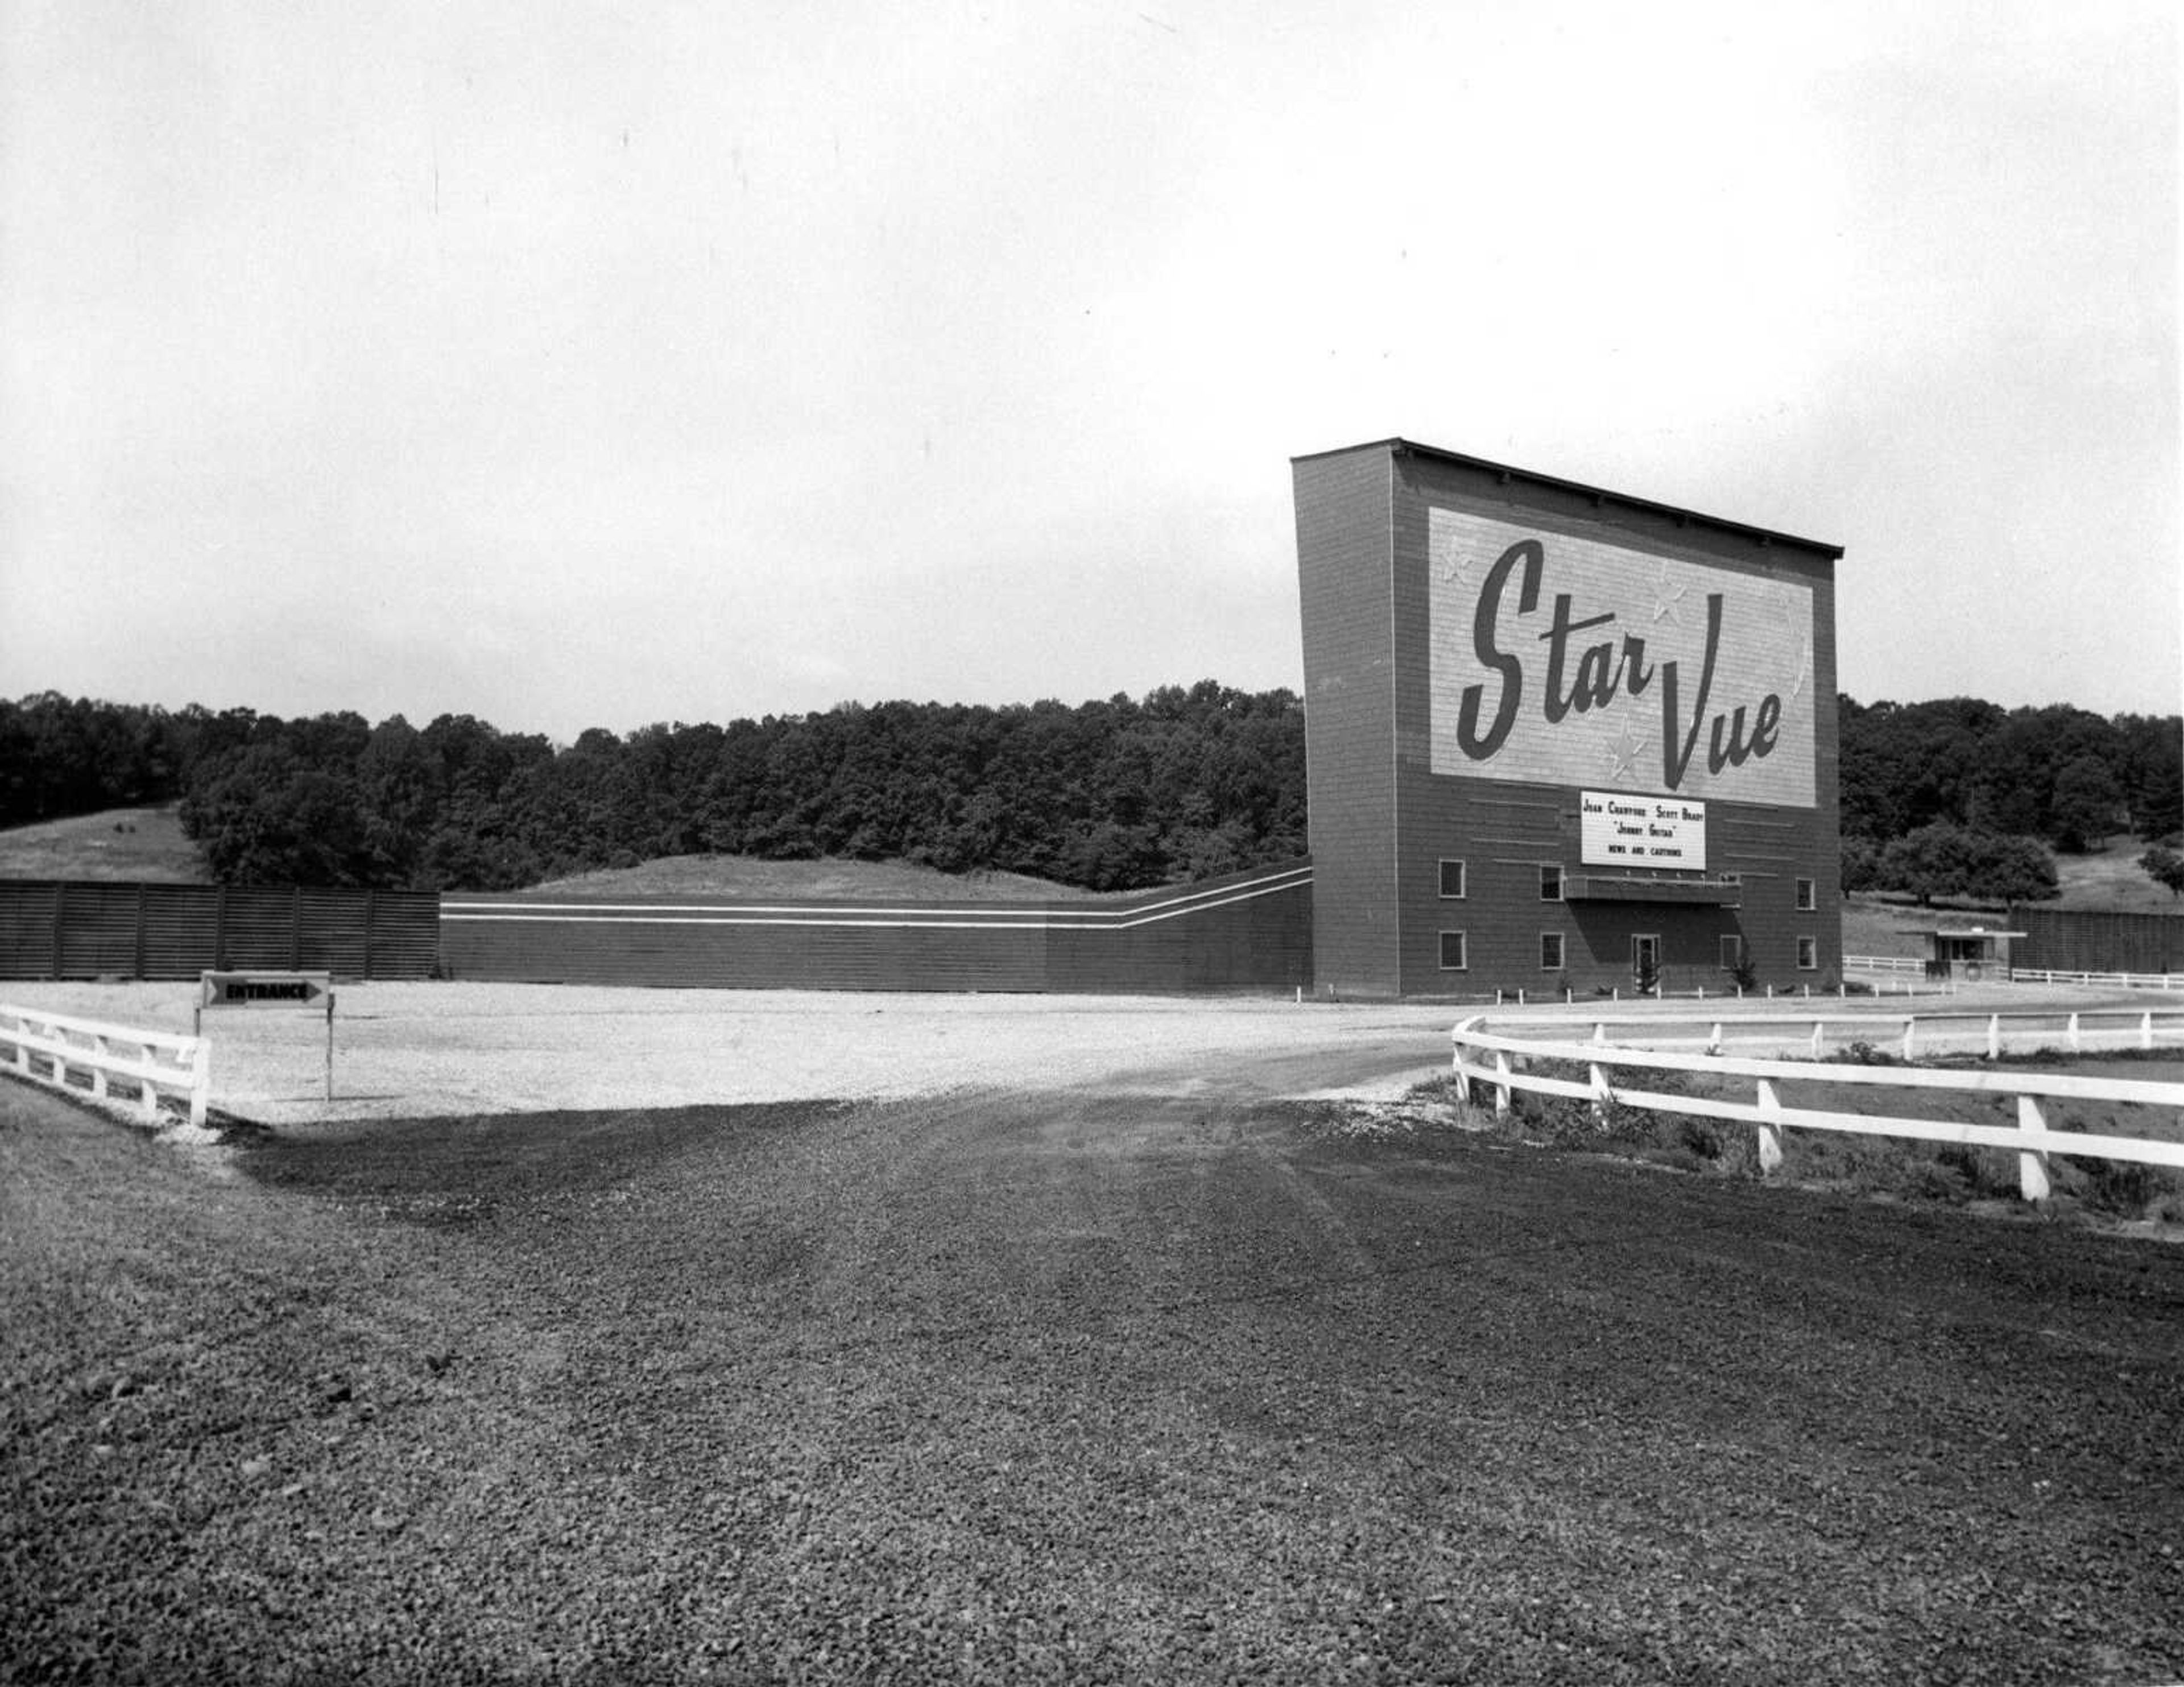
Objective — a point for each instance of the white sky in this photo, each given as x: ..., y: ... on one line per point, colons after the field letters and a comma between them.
x: 572, y: 366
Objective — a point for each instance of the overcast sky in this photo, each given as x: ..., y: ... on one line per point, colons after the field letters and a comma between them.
x: 598, y: 365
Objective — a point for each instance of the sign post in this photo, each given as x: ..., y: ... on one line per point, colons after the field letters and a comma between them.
x: 269, y: 990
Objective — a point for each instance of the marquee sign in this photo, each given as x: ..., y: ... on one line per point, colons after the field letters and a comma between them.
x: 1615, y: 830
x: 1569, y: 661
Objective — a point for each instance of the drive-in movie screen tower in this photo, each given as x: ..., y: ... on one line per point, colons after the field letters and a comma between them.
x: 1560, y: 740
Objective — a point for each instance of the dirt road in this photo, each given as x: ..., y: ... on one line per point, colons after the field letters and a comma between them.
x: 1149, y: 1378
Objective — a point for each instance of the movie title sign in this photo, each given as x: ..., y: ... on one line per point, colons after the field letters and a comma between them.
x: 1572, y: 661
x: 1616, y: 829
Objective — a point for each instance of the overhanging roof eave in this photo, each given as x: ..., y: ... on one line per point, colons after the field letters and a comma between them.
x: 1400, y: 447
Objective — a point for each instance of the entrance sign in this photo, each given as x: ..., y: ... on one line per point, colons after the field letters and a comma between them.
x: 1615, y: 830
x: 274, y: 990
x: 1557, y: 660
x: 263, y: 989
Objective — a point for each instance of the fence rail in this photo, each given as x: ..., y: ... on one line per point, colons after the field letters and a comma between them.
x: 1899, y: 963
x: 46, y: 1048
x: 1884, y: 963
x: 2121, y: 981
x: 1496, y: 1061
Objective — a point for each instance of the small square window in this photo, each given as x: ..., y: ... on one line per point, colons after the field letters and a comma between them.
x: 1452, y: 957
x: 1805, y: 897
x: 1551, y: 951
x: 1808, y: 954
x: 1550, y: 883
x: 1452, y: 880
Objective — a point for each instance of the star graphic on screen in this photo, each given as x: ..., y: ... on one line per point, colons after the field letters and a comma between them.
x: 1624, y: 751
x: 1797, y: 624
x: 1666, y: 596
x: 1455, y: 567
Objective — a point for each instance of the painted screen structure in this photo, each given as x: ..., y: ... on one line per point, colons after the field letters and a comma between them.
x: 1563, y: 660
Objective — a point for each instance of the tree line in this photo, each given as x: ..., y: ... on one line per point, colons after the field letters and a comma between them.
x: 1962, y: 798
x: 1181, y: 783
x: 1936, y: 798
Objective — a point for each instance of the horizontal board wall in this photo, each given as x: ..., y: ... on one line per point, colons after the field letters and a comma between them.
x: 79, y: 928
x: 2093, y: 940
x: 1245, y: 931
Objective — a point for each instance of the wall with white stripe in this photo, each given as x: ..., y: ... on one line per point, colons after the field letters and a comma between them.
x: 1249, y: 931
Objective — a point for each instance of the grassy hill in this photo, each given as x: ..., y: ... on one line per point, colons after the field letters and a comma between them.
x: 2110, y: 878
x: 140, y: 844
x: 148, y: 845
x: 744, y: 876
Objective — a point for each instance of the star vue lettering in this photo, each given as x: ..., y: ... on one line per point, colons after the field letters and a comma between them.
x: 1611, y: 665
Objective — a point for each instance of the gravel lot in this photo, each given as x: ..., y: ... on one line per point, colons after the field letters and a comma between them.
x: 1090, y: 1358
x: 419, y: 1050
x: 432, y: 1050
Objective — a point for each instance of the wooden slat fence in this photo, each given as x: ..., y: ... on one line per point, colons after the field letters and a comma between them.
x: 68, y: 928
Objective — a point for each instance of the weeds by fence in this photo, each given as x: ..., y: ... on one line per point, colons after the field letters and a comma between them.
x: 1507, y: 1062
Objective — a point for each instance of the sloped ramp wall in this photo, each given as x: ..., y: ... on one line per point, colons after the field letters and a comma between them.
x: 1249, y: 931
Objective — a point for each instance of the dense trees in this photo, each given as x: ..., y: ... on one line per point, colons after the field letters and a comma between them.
x: 1942, y: 859
x: 1182, y: 783
x: 2165, y: 867
x: 1958, y: 797
x: 2057, y: 773
x: 1112, y: 794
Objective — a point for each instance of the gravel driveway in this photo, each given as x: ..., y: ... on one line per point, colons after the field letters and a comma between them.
x: 1127, y: 1369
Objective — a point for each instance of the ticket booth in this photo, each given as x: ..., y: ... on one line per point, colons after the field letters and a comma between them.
x: 1966, y: 955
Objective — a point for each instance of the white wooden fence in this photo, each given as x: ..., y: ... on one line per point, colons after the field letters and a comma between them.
x: 47, y: 1048
x: 2119, y: 981
x: 1884, y: 963
x: 1497, y: 1059
x: 1894, y: 965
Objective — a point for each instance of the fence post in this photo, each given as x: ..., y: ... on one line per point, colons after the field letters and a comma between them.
x: 1818, y: 1027
x: 1994, y: 1037
x: 1714, y: 1042
x: 200, y: 1081
x: 1910, y: 1025
x: 2146, y: 1029
x: 1601, y: 1093
x: 2032, y: 1162
x: 1501, y: 1080
x: 2074, y: 1033
x: 1770, y: 1133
